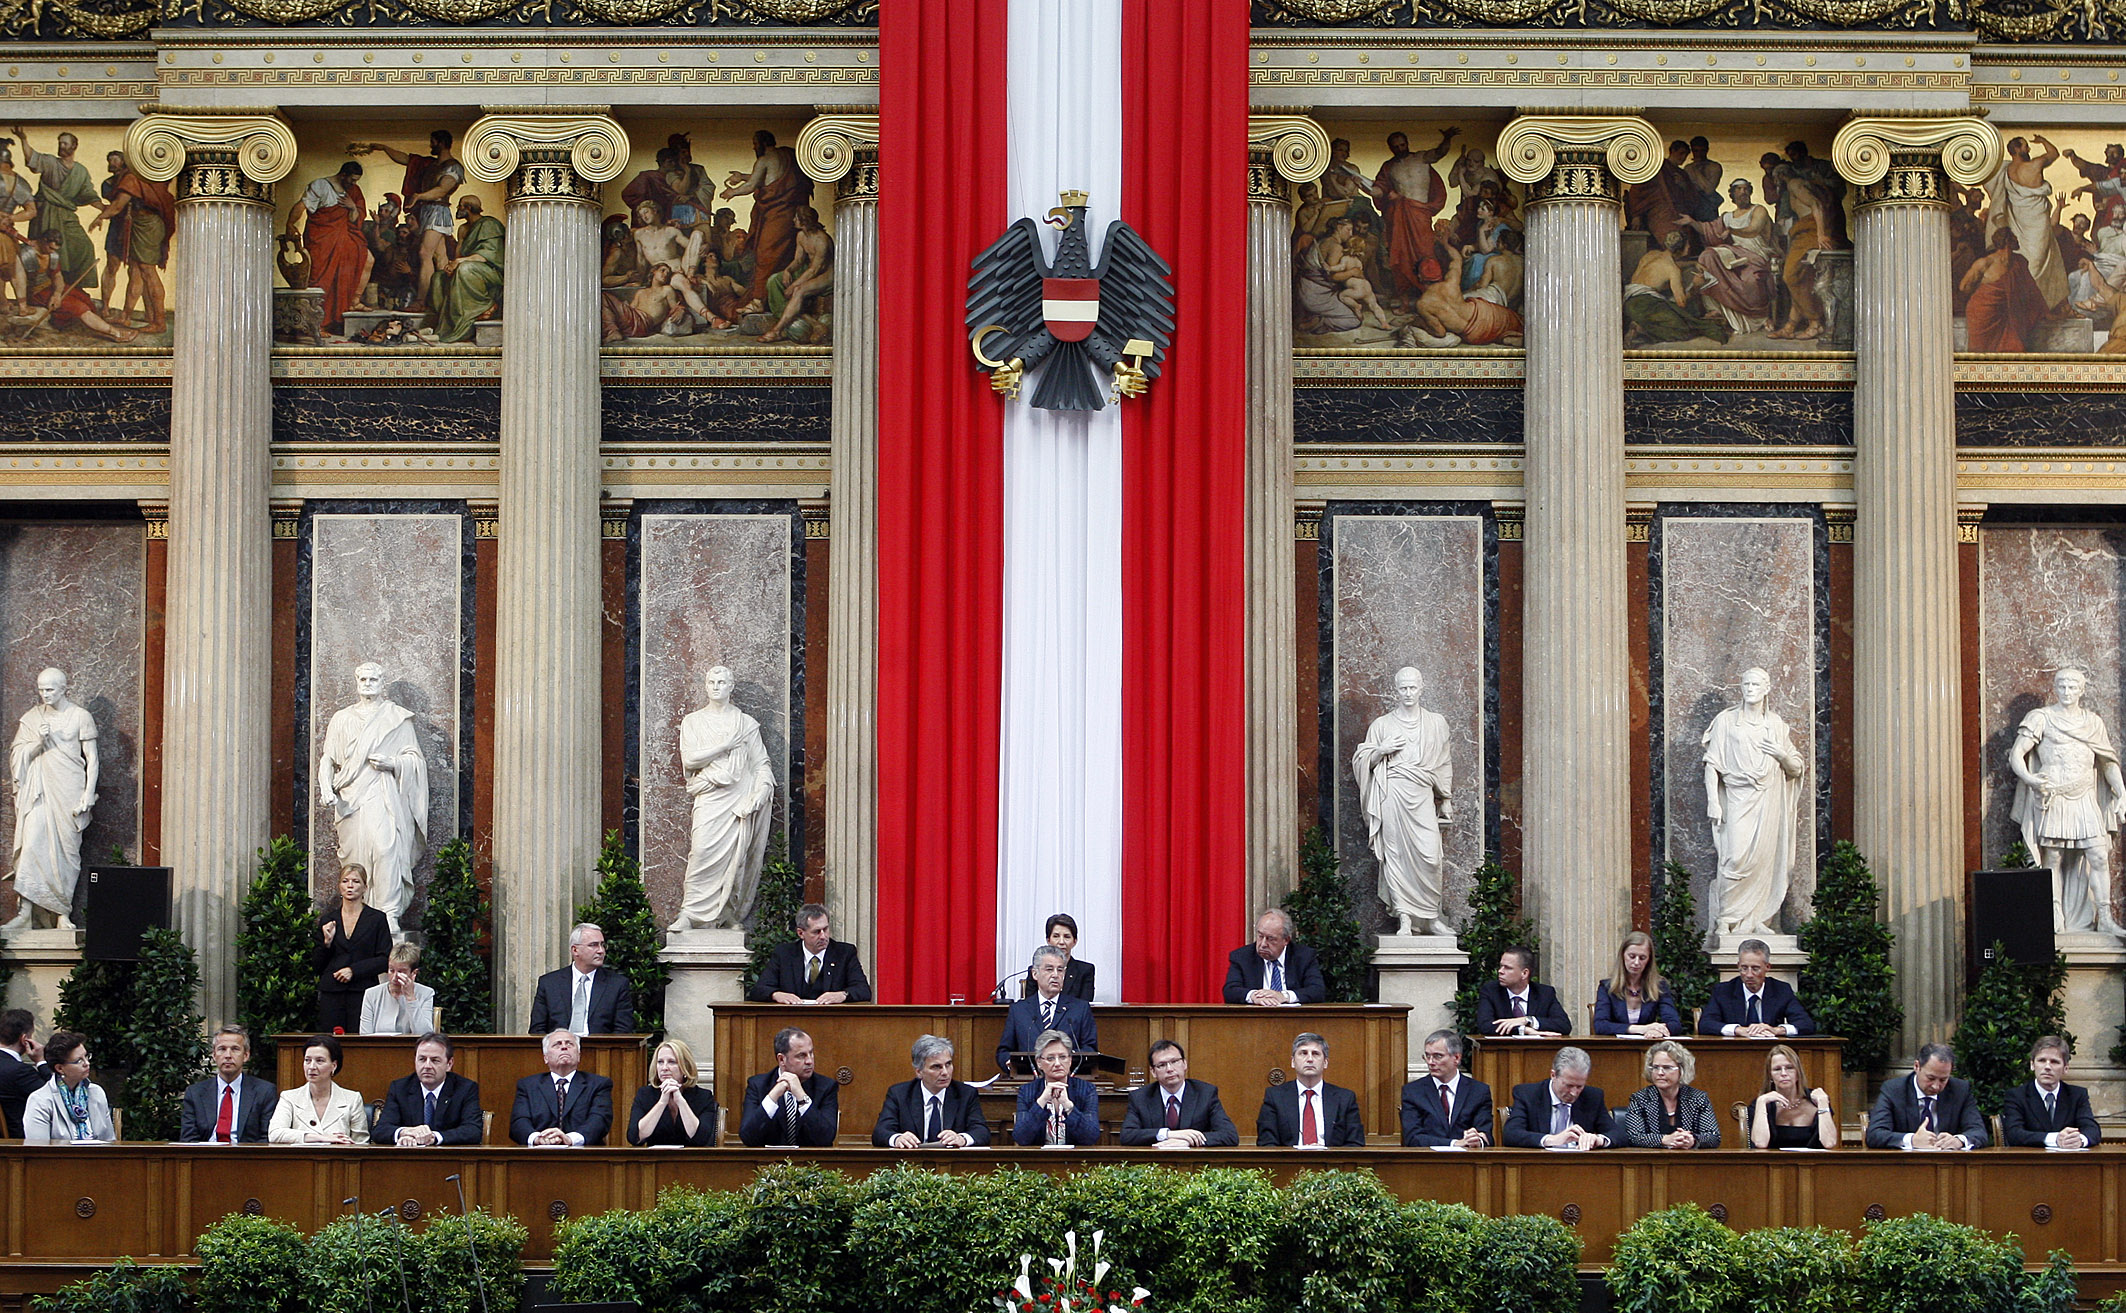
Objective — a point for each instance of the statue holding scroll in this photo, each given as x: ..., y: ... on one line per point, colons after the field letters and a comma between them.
x: 53, y: 765
x: 1406, y: 787
x: 1753, y: 776
x: 374, y: 778
x: 726, y: 766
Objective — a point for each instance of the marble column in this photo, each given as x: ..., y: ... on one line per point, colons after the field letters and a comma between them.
x: 842, y: 150
x: 1908, y: 791
x: 1576, y: 671
x: 218, y: 681
x: 547, y: 669
x: 1283, y: 149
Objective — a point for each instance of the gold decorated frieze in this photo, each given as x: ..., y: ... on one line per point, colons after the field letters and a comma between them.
x: 1578, y: 157
x: 213, y: 157
x: 1905, y: 159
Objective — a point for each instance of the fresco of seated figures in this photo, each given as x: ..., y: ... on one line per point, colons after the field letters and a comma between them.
x: 1740, y: 243
x: 1411, y: 239
x: 84, y: 259
x: 2038, y: 253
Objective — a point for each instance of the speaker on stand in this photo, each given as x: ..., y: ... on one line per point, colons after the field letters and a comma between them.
x: 2014, y: 909
x: 122, y: 904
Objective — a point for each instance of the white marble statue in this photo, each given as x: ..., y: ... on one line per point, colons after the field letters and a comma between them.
x: 54, y: 766
x: 2068, y: 803
x: 374, y: 778
x: 1753, y: 775
x: 726, y: 765
x: 1406, y: 786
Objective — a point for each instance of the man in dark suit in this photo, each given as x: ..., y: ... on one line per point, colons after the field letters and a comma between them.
x: 1515, y: 1006
x: 1929, y: 1109
x: 435, y: 1105
x: 932, y: 1109
x: 2048, y: 1112
x: 1307, y: 1112
x: 1175, y: 1112
x: 21, y: 1065
x: 1564, y: 1112
x: 1273, y: 970
x: 584, y: 998
x: 1752, y: 1005
x: 228, y: 1107
x: 1047, y: 1008
x: 565, y: 1108
x: 816, y: 969
x: 791, y: 1104
x: 1445, y: 1107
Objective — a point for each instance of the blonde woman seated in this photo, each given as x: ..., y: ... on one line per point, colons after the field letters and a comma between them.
x: 1635, y: 1000
x: 1670, y: 1113
x: 70, y: 1108
x: 319, y: 1111
x: 675, y: 1109
x: 1790, y: 1115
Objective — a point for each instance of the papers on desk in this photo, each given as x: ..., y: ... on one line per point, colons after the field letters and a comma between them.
x: 985, y: 1084
x: 2060, y: 1148
x: 1449, y: 1148
x: 1802, y: 1148
x: 1574, y: 1147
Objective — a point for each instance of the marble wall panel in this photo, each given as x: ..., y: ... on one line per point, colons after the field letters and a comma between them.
x: 387, y: 587
x: 714, y: 590
x: 1390, y: 414
x: 2041, y: 419
x: 127, y: 413
x: 1736, y: 592
x: 1409, y: 591
x: 308, y: 413
x: 1759, y: 418
x: 740, y: 411
x: 2048, y: 596
x: 73, y: 596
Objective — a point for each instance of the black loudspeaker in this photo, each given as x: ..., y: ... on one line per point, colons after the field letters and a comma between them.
x: 123, y: 903
x: 2015, y: 909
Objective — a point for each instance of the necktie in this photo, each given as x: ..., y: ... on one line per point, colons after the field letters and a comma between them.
x: 1446, y: 1105
x: 1055, y: 1124
x: 1048, y: 1014
x: 1520, y: 1006
x: 811, y: 970
x: 1277, y: 977
x: 2052, y: 1111
x: 789, y: 1119
x: 1309, y: 1127
x: 560, y: 1101
x: 227, y: 1121
x: 1926, y: 1113
x: 1173, y: 1112
x: 579, y: 1017
x: 428, y: 1115
x: 933, y: 1124
x: 1560, y: 1117
x: 1756, y: 1015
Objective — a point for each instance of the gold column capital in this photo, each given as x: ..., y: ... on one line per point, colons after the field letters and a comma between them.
x: 837, y: 147
x: 1579, y: 157
x: 1284, y: 148
x: 1902, y: 159
x: 554, y: 155
x: 220, y: 157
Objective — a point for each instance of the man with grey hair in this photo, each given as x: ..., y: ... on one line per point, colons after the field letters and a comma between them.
x: 586, y: 996
x: 933, y: 1110
x: 1443, y: 1107
x: 1564, y: 1112
x: 1306, y: 1112
x: 562, y: 1107
x: 1274, y: 970
x: 1047, y: 1008
x: 374, y: 778
x: 1928, y: 1109
x: 1752, y: 1005
x: 817, y: 968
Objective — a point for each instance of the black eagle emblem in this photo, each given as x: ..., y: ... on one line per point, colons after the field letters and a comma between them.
x: 1100, y: 333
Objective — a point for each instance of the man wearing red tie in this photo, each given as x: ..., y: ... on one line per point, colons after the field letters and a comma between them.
x: 1307, y: 1112
x: 1443, y: 1107
x: 228, y: 1107
x: 1174, y: 1112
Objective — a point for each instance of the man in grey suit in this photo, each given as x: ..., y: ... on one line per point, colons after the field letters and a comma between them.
x: 1175, y: 1112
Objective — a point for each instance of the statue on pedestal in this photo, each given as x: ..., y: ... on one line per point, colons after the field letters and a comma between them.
x: 727, y: 773
x: 1406, y: 787
x: 2069, y: 803
x: 1753, y: 778
x: 53, y: 764
x: 374, y: 777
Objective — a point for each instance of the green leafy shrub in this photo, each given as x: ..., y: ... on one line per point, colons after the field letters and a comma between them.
x: 96, y: 1001
x: 1494, y: 924
x: 1791, y: 1269
x: 2010, y: 1007
x: 1922, y: 1264
x: 1438, y: 1257
x: 682, y: 1256
x: 453, y: 961
x: 1679, y: 942
x: 124, y: 1287
x: 166, y: 1034
x: 1321, y: 912
x: 251, y: 1265
x: 794, y: 1234
x: 1530, y: 1265
x: 1221, y: 1263
x: 1678, y: 1260
x: 276, y: 988
x: 949, y: 1243
x: 1337, y: 1246
x: 1849, y: 981
x: 775, y: 902
x: 621, y: 908
x: 445, y: 1262
x: 357, y: 1263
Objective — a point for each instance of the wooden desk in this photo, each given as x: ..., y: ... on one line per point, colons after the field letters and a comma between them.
x: 369, y: 1063
x: 1241, y: 1050
x: 1728, y: 1069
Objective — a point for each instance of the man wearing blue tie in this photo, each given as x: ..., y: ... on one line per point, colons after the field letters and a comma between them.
x: 1273, y: 970
x: 1047, y: 1008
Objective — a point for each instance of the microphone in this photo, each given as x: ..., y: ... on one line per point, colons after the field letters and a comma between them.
x: 998, y: 995
x: 479, y: 1282
x: 361, y: 1249
x: 398, y: 1256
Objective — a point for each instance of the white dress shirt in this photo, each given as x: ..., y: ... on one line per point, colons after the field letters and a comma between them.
x: 1731, y: 1029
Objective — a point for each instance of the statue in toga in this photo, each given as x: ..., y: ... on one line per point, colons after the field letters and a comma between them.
x: 374, y: 778
x: 53, y: 764
x: 727, y: 774
x: 1753, y: 776
x: 1406, y: 787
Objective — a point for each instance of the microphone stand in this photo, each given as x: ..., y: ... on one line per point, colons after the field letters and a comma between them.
x: 479, y: 1282
x: 361, y: 1250
x: 398, y: 1256
x: 996, y: 995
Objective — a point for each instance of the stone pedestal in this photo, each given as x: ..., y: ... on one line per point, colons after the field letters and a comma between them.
x: 706, y: 968
x: 2096, y: 1008
x: 1420, y: 972
x: 1786, y: 959
x: 42, y: 959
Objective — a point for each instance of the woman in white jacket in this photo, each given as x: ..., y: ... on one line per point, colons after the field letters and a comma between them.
x: 71, y: 1109
x: 319, y: 1111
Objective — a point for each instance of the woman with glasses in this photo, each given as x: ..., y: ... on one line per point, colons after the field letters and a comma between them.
x: 72, y: 1108
x: 1670, y: 1113
x: 1056, y: 1107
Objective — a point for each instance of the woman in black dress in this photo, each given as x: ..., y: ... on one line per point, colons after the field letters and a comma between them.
x: 354, y: 941
x: 1790, y: 1115
x: 1062, y: 931
x: 674, y: 1108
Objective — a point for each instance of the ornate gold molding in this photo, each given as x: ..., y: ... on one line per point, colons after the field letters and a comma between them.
x: 559, y: 156
x: 838, y: 147
x: 1579, y: 157
x: 1901, y: 160
x: 224, y: 157
x: 1284, y: 148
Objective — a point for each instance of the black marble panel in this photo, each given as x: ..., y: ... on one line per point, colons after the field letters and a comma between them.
x: 535, y: 14
x: 2009, y: 19
x: 128, y: 412
x: 1391, y: 414
x: 738, y: 411
x: 2041, y: 419
x: 455, y: 413
x: 1770, y: 418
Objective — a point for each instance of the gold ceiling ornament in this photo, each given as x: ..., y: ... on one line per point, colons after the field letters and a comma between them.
x: 828, y: 147
x: 587, y: 142
x: 1334, y: 11
x: 234, y: 157
x: 801, y: 11
x: 1296, y: 146
x: 1898, y: 159
x: 1578, y: 156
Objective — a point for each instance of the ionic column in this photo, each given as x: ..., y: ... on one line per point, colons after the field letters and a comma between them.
x: 842, y: 149
x: 218, y: 673
x: 1576, y: 749
x: 1282, y: 149
x: 1908, y: 790
x: 547, y: 672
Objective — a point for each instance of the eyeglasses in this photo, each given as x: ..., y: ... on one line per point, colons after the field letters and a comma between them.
x: 1664, y: 1067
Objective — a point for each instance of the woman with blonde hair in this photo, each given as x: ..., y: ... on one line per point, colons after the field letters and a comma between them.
x: 1635, y: 1000
x: 1670, y: 1112
x: 1790, y: 1115
x: 675, y: 1108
